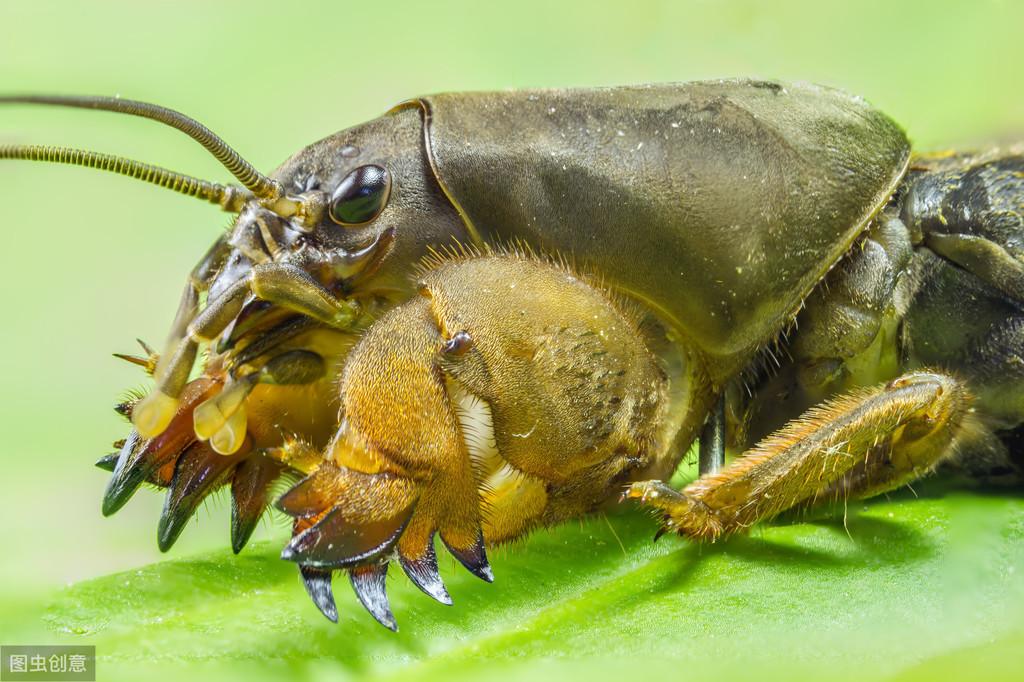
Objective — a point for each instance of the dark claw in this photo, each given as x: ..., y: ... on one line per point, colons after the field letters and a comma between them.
x: 424, y: 574
x: 199, y: 471
x: 474, y: 558
x: 130, y: 470
x: 250, y: 489
x: 318, y: 586
x: 154, y: 459
x: 107, y: 462
x: 369, y: 582
x: 334, y: 542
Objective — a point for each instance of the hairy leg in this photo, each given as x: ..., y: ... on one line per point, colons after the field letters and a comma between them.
x: 860, y: 444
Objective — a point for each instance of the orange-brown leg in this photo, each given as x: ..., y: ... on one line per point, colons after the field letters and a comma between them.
x: 857, y: 445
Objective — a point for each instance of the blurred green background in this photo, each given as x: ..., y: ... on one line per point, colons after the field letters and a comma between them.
x: 90, y: 261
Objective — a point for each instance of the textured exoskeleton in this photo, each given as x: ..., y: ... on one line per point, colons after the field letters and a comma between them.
x: 485, y: 312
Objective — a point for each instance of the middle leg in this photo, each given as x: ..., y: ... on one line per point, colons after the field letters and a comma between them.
x: 858, y: 445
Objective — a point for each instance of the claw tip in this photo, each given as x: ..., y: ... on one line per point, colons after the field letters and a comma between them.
x: 107, y: 462
x: 318, y: 587
x: 424, y: 574
x: 167, y: 533
x: 474, y: 558
x: 369, y: 585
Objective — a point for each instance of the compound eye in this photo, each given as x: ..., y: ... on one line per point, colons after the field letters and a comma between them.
x: 361, y: 196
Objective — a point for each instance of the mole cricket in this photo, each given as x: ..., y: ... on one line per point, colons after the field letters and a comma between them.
x: 484, y: 313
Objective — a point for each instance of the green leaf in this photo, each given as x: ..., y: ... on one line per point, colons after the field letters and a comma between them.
x: 911, y: 587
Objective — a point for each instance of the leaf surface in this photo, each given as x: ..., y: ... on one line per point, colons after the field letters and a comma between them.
x: 909, y: 587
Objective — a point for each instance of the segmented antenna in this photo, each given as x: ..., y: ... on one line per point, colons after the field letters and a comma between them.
x: 260, y: 185
x: 228, y: 197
